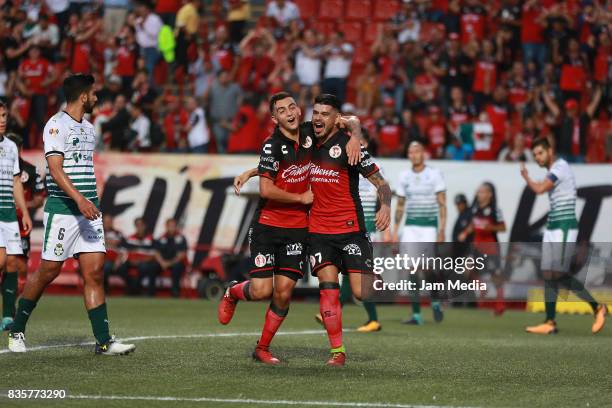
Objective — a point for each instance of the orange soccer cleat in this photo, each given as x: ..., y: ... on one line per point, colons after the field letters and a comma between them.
x: 264, y: 355
x: 548, y: 327
x: 600, y: 319
x: 227, y: 306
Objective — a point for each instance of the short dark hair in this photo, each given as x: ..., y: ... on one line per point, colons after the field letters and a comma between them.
x: 3, y: 105
x: 329, y: 99
x: 75, y: 85
x: 18, y: 140
x: 278, y: 97
x: 541, y: 141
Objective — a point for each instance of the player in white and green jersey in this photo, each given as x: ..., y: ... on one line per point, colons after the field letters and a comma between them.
x: 72, y: 221
x: 422, y: 198
x: 559, y: 236
x: 11, y: 193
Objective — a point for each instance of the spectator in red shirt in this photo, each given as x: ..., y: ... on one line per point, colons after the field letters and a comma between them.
x: 257, y: 62
x: 126, y: 56
x: 517, y: 86
x: 459, y: 111
x: 167, y: 10
x: 389, y: 132
x: 573, y: 71
x: 485, y: 75
x: 35, y: 74
x: 532, y: 33
x: 426, y: 84
x: 435, y: 133
x: 473, y: 20
x: 175, y: 124
x: 498, y: 112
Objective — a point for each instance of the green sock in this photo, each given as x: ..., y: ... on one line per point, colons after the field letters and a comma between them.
x: 99, y: 323
x: 551, y: 291
x: 24, y: 310
x: 9, y: 294
x: 346, y: 293
x: 370, y: 308
x: 573, y: 284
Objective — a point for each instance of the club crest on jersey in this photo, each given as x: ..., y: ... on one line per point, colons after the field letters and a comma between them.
x: 260, y: 260
x: 275, y: 165
x: 294, y: 249
x: 53, y: 131
x: 352, y: 249
x: 59, y: 250
x: 307, y: 142
x: 24, y: 176
x: 335, y: 151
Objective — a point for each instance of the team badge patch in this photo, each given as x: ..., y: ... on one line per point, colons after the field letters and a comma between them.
x: 53, y: 131
x: 59, y: 250
x: 335, y: 151
x: 24, y: 176
x: 352, y: 249
x: 275, y: 165
x: 294, y: 249
x: 260, y: 260
x: 307, y: 142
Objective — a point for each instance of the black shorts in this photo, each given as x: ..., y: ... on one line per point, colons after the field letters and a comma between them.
x: 280, y: 251
x: 25, y: 245
x: 350, y: 253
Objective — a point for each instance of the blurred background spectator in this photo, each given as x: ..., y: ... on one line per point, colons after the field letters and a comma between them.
x: 473, y: 80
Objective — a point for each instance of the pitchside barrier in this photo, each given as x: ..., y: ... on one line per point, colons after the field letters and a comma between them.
x: 197, y: 190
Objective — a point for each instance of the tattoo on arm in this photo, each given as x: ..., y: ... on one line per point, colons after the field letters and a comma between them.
x: 382, y: 188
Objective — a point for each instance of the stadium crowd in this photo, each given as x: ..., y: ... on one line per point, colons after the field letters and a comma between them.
x: 473, y: 80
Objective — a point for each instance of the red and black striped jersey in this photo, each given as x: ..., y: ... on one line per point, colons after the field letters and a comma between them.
x: 336, y: 208
x: 287, y: 163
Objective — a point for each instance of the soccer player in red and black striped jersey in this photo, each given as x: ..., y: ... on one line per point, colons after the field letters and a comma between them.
x: 278, y: 236
x: 338, y: 235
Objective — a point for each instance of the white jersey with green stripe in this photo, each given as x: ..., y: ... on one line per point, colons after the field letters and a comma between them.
x: 9, y: 168
x: 420, y: 190
x: 369, y: 200
x: 75, y: 141
x: 562, y: 197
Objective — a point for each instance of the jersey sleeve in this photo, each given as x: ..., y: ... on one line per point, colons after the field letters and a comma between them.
x: 556, y: 172
x: 183, y: 244
x: 402, y: 184
x: 269, y: 162
x: 54, y: 137
x: 16, y: 169
x: 440, y: 184
x: 367, y: 166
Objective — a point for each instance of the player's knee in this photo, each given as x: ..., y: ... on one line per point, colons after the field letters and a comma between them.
x: 282, y: 298
x: 260, y: 292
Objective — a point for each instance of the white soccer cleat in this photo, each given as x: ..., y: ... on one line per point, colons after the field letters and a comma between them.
x: 16, y: 343
x: 114, y: 348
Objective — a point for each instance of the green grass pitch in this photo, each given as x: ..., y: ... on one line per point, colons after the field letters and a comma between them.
x: 471, y: 359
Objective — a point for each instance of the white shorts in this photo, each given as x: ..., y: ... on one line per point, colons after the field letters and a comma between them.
x: 417, y: 240
x: 68, y: 235
x: 11, y: 238
x: 558, y: 247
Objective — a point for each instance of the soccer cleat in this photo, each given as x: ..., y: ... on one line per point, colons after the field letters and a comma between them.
x: 600, y: 319
x: 319, y: 318
x: 438, y: 314
x: 548, y: 327
x: 227, y: 306
x: 264, y: 355
x: 415, y: 321
x: 337, y: 360
x: 114, y: 348
x: 16, y: 342
x: 7, y: 324
x: 371, y: 326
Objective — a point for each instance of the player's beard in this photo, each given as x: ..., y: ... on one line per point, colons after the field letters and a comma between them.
x: 88, y: 106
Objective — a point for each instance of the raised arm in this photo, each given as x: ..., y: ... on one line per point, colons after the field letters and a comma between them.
x: 241, y: 180
x: 538, y: 187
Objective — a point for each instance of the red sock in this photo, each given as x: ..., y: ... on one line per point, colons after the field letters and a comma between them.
x: 331, y: 311
x: 274, y: 318
x: 240, y: 291
x: 500, y: 305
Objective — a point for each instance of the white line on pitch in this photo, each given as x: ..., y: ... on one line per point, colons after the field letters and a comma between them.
x: 256, y: 401
x: 175, y: 336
